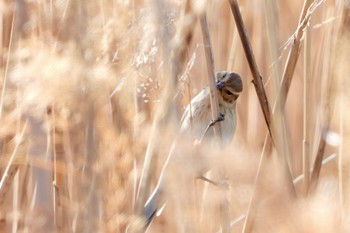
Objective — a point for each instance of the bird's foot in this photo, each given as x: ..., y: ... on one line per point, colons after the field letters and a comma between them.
x: 221, y: 117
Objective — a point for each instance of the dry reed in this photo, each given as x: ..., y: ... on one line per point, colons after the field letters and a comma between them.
x: 91, y: 95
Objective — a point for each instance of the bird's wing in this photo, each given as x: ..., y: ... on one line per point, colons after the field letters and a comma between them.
x: 197, y: 114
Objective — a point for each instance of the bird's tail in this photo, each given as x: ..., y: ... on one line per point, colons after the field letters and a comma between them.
x: 151, y: 207
x: 156, y: 202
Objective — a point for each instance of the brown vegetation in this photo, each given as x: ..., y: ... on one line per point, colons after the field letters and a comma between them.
x: 92, y: 93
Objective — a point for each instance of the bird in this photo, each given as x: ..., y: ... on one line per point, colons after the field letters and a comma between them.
x: 197, y: 114
x: 196, y: 121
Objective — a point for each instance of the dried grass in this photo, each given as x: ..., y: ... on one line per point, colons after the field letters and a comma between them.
x: 84, y: 85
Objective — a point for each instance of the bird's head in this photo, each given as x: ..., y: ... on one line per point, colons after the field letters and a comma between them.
x: 229, y: 86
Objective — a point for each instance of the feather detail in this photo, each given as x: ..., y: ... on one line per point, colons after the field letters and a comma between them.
x: 197, y: 116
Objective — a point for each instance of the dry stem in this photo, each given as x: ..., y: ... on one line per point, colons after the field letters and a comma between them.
x: 215, y: 111
x: 211, y: 74
x: 257, y: 80
x: 281, y: 99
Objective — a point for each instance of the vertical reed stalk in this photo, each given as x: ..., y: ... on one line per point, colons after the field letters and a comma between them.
x: 257, y: 79
x: 211, y: 74
x: 306, y: 110
x: 215, y: 111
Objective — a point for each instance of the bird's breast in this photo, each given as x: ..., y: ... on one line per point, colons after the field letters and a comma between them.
x: 228, y: 126
x: 197, y: 117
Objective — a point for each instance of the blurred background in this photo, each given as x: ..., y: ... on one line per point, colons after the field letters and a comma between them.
x: 88, y: 94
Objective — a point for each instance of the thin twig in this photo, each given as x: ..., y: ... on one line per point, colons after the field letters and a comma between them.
x: 318, y: 162
x: 234, y: 222
x: 325, y: 161
x: 294, y: 54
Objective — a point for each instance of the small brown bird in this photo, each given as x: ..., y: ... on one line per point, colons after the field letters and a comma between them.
x: 195, y: 120
x: 197, y: 114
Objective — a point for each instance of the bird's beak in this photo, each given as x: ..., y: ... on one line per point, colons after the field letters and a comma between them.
x: 219, y: 85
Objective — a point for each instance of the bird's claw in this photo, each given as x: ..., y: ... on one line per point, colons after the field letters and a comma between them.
x: 221, y: 117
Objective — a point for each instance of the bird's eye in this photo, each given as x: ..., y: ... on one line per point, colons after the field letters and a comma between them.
x: 224, y: 75
x: 228, y: 92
